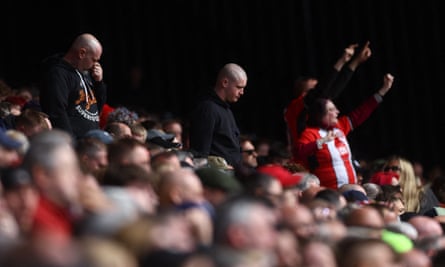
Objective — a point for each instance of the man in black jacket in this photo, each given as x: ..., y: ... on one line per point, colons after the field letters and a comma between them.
x: 213, y: 129
x: 72, y: 89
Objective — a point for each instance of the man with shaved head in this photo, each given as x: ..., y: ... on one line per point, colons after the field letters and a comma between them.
x: 426, y: 226
x: 181, y: 190
x: 213, y: 129
x: 430, y: 234
x: 72, y: 87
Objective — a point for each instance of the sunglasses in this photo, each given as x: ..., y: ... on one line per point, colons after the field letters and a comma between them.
x: 392, y: 168
x: 249, y: 151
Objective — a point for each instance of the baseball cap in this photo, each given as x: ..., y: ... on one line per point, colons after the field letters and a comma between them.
x: 101, y: 135
x: 152, y: 133
x: 7, y: 142
x: 16, y: 100
x: 218, y: 179
x: 161, y: 138
x: 285, y: 177
x: 385, y: 178
x: 12, y: 178
x: 218, y: 163
x: 355, y: 196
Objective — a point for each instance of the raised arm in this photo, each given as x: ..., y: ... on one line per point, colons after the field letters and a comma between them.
x: 360, y: 114
x: 346, y: 72
x: 388, y: 80
x: 362, y: 56
x: 348, y: 53
x: 340, y: 74
x: 326, y: 84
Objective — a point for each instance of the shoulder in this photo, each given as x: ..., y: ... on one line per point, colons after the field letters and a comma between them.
x: 344, y: 124
x: 310, y: 133
x: 56, y: 63
x: 209, y: 104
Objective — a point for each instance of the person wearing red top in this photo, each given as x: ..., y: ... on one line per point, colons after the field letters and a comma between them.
x: 51, y: 160
x: 308, y: 88
x: 323, y: 147
x: 51, y: 218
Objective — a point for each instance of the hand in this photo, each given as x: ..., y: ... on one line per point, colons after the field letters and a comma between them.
x: 362, y: 56
x: 365, y: 53
x: 388, y: 80
x: 349, y: 52
x: 97, y: 72
x: 345, y: 57
x: 329, y: 137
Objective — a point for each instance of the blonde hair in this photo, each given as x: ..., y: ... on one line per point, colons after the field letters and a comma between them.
x: 411, y: 192
x: 138, y: 130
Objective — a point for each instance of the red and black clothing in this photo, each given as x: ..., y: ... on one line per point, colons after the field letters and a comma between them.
x: 295, y: 112
x: 332, y: 163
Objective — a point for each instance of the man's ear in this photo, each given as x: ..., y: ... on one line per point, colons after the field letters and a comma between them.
x: 175, y: 196
x: 225, y: 82
x: 82, y: 53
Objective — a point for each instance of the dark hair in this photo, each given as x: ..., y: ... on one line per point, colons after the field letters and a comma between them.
x: 89, y: 146
x: 316, y: 111
x: 31, y: 118
x: 278, y: 150
x: 330, y: 195
x: 119, y: 150
x: 123, y: 175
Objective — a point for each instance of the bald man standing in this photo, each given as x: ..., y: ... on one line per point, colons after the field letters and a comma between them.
x: 213, y: 129
x: 72, y: 87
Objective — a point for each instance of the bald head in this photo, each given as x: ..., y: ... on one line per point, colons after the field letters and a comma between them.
x: 317, y: 253
x: 370, y: 252
x: 179, y: 186
x: 232, y: 72
x: 415, y: 258
x: 299, y: 219
x: 87, y: 41
x: 426, y: 226
x: 365, y: 216
x: 84, y: 53
x: 230, y: 84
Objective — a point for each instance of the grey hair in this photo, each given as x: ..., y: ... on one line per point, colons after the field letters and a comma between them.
x: 43, y: 147
x: 235, y: 211
x: 307, y: 180
x: 372, y: 190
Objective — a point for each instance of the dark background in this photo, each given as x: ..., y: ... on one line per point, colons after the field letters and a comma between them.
x: 180, y: 46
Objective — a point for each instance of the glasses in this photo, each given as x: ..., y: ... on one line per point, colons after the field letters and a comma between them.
x: 249, y: 151
x: 392, y: 168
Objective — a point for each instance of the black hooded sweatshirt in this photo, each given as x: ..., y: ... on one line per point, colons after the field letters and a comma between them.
x: 70, y: 98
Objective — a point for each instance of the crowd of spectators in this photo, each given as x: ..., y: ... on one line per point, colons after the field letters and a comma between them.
x: 132, y: 193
